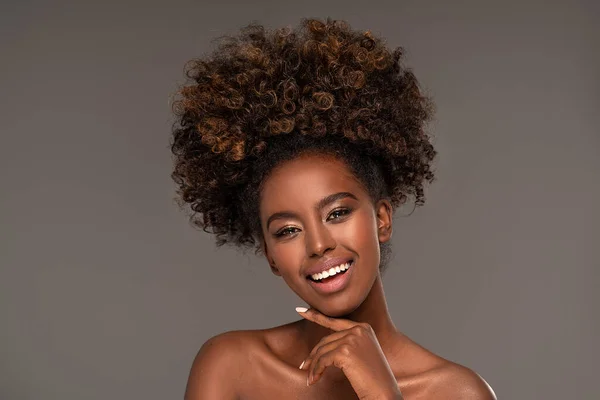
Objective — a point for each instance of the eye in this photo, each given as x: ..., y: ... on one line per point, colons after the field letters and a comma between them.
x: 337, y: 214
x: 286, y: 231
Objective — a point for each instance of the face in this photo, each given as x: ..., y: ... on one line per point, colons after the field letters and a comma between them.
x: 313, y: 210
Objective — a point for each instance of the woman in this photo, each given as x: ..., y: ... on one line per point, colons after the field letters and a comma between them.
x: 300, y: 144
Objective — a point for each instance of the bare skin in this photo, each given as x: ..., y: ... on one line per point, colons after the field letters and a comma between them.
x: 264, y: 364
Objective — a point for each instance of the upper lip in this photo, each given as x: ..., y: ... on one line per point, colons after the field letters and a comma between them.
x: 326, y: 264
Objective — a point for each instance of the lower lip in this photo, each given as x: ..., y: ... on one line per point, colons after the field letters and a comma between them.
x: 336, y: 284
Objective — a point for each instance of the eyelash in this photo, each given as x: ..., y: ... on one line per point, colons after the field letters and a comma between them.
x: 345, y: 210
x: 282, y: 233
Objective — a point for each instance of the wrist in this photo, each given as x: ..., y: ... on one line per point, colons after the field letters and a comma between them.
x: 395, y: 395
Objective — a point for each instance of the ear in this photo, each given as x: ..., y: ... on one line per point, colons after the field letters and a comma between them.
x: 384, y: 215
x: 270, y: 260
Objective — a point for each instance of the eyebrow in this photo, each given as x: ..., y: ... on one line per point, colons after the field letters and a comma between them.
x: 324, y: 202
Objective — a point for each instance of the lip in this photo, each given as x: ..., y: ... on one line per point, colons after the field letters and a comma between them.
x: 336, y: 284
x: 325, y: 265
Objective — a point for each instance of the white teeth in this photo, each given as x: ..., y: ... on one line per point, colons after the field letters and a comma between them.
x: 330, y: 272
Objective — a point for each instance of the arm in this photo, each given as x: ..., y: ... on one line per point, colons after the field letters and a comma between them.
x: 215, y: 370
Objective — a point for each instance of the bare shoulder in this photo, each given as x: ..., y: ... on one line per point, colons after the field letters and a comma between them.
x: 425, y: 375
x: 219, y: 367
x: 459, y: 382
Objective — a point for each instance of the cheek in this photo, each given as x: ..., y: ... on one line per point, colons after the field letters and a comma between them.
x: 359, y: 232
x: 288, y: 256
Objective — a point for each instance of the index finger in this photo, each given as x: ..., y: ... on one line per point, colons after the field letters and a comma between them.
x: 335, y: 324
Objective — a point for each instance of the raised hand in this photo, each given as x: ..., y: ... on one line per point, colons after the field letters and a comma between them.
x: 354, y: 349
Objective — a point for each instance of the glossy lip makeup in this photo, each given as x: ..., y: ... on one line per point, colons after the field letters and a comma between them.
x: 335, y: 283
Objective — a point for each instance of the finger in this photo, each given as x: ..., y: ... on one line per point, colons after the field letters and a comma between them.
x: 337, y: 356
x: 320, y: 350
x: 335, y: 324
x: 322, y: 343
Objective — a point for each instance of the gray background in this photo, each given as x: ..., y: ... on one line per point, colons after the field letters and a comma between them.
x: 106, y: 291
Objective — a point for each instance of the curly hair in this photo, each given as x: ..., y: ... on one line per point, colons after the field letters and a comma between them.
x: 265, y: 96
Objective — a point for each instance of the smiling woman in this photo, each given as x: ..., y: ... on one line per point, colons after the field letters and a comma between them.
x: 300, y: 144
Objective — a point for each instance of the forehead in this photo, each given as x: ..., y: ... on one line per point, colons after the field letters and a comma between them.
x: 303, y: 181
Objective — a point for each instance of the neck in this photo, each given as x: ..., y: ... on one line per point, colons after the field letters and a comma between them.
x: 373, y: 311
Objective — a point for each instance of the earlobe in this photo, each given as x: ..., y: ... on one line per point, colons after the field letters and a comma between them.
x: 275, y: 270
x: 271, y: 262
x: 384, y: 221
x: 385, y: 234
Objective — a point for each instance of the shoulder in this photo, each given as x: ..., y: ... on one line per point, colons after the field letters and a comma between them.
x: 428, y: 375
x: 459, y: 382
x: 220, y: 364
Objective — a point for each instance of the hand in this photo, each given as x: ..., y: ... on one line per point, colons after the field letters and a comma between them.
x: 354, y: 349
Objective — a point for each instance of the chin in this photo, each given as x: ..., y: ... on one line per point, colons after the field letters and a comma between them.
x: 338, y: 308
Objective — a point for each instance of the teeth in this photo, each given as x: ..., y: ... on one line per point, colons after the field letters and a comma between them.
x: 330, y: 272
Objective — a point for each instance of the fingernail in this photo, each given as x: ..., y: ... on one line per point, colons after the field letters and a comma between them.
x: 301, y: 309
x: 302, y: 364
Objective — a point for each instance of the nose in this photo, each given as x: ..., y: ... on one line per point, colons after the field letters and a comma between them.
x: 319, y: 240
